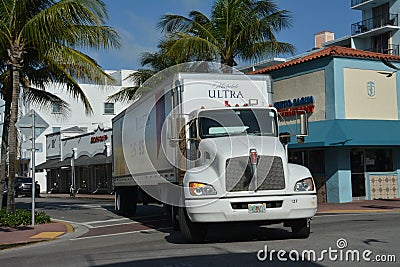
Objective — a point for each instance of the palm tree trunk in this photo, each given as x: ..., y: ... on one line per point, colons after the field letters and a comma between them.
x: 4, y: 145
x: 16, y: 59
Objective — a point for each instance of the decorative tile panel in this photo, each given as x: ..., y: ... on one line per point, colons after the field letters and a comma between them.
x: 384, y: 186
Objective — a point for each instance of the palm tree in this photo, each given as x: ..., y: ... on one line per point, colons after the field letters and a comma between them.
x: 236, y: 29
x: 39, y: 98
x: 45, y: 35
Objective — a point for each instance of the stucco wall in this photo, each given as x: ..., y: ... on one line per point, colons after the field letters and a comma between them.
x: 309, y: 84
x: 370, y: 95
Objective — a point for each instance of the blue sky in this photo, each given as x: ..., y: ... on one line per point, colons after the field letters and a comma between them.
x: 136, y: 20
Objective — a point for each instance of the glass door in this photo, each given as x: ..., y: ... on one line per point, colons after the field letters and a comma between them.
x: 357, y: 162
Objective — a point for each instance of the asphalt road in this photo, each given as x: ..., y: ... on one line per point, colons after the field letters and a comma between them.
x: 106, y: 239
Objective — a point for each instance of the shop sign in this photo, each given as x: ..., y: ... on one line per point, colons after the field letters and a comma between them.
x: 98, y: 139
x: 291, y: 107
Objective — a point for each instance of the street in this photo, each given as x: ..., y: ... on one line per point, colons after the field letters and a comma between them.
x: 103, y: 238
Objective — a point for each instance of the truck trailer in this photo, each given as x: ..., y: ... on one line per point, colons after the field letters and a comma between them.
x: 207, y: 146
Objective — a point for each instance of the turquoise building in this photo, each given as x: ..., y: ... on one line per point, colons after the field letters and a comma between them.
x: 352, y: 99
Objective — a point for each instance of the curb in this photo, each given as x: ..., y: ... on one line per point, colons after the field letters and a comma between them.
x: 70, y: 228
x: 20, y: 244
x: 358, y: 211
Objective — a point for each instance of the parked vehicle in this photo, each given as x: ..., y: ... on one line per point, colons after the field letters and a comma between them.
x: 23, y: 186
x: 207, y: 146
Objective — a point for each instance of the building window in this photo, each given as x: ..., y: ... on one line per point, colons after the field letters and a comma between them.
x: 56, y: 107
x: 56, y: 129
x: 314, y: 160
x: 108, y: 108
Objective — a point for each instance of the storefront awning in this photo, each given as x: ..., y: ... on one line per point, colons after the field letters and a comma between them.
x: 49, y: 164
x: 334, y: 133
x: 82, y: 161
x: 100, y: 159
x: 65, y: 163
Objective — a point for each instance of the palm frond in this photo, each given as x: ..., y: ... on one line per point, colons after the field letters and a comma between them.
x: 126, y: 94
x: 45, y: 101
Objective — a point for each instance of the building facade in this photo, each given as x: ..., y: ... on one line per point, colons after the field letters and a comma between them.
x: 76, y: 122
x: 82, y: 160
x: 352, y: 102
x: 378, y: 30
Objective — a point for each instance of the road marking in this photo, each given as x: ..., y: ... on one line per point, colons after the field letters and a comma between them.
x: 47, y: 235
x: 124, y: 233
x: 110, y: 220
x: 108, y: 225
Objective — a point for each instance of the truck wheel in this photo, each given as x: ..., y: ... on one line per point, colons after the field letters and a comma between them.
x: 194, y: 232
x: 301, y: 228
x: 171, y: 212
x: 126, y: 201
x: 131, y: 199
x: 117, y: 204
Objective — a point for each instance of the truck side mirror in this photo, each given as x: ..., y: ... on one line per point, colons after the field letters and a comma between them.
x: 284, y: 138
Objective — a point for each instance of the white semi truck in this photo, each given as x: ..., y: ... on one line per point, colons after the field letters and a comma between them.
x: 207, y: 146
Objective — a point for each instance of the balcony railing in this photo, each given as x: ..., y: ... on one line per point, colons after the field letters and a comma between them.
x: 357, y: 2
x: 376, y: 22
x: 390, y: 50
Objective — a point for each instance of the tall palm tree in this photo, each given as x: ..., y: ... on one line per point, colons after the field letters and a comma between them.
x: 40, y: 99
x: 236, y: 29
x: 46, y: 35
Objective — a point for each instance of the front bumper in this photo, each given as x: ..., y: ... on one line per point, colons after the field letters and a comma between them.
x: 220, y: 210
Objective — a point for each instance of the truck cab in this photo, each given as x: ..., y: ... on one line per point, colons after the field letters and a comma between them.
x: 239, y: 172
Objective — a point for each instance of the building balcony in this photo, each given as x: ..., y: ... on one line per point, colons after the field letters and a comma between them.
x: 390, y: 50
x: 382, y: 23
x: 366, y: 4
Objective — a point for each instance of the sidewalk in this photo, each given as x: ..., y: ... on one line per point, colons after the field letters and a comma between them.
x: 361, y: 206
x: 11, y: 237
x: 23, y: 235
x: 82, y: 196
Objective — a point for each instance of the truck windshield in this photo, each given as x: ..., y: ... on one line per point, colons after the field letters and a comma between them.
x: 227, y: 122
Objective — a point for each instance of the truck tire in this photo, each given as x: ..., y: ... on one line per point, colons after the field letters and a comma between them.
x: 126, y: 201
x: 301, y: 228
x: 131, y: 199
x: 117, y: 203
x: 193, y: 232
x: 171, y: 212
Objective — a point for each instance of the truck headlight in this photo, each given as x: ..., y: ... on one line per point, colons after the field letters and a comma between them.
x: 304, y: 185
x: 200, y: 189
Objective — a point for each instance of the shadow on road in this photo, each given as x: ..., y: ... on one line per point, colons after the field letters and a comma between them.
x: 223, y: 259
x: 243, y: 232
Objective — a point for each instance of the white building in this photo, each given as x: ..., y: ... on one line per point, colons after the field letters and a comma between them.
x: 77, y: 122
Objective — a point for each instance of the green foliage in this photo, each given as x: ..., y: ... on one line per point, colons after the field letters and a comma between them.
x: 22, y: 217
x: 236, y: 29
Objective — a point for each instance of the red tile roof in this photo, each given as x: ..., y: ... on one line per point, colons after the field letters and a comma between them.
x: 337, y: 51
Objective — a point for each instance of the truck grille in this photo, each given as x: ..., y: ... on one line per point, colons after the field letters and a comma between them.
x: 239, y: 173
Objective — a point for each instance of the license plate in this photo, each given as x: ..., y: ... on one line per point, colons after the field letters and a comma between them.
x: 257, y: 208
